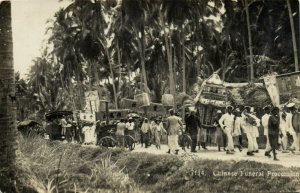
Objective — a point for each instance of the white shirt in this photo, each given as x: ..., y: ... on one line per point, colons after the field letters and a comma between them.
x: 237, y: 126
x: 227, y: 120
x: 247, y: 127
x: 289, y: 124
x: 282, y: 125
x: 130, y: 126
x: 265, y: 122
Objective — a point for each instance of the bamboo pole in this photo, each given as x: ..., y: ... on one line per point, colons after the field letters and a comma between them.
x: 293, y: 35
x: 250, y: 42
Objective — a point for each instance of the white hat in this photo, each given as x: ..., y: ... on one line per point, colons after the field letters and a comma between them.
x: 247, y: 107
x: 267, y: 107
x: 130, y: 118
x: 219, y: 111
x: 229, y: 107
x: 290, y: 105
x: 192, y: 108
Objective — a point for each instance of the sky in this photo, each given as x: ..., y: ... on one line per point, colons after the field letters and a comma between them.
x: 29, y: 19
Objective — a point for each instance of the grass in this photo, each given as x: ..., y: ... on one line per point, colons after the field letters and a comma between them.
x: 71, y: 168
x: 60, y: 167
x: 167, y: 173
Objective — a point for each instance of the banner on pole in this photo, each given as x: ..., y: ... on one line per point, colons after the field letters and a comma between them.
x: 272, y: 88
x: 289, y: 84
x: 283, y: 86
x: 92, y: 102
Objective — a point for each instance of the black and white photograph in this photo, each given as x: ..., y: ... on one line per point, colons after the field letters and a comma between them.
x: 149, y: 96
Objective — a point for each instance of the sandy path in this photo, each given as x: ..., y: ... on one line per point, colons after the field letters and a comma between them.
x: 285, y: 159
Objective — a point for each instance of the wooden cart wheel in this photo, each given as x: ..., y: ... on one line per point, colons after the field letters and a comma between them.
x: 107, y: 142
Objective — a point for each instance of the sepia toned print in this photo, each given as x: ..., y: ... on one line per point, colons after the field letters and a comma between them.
x: 149, y: 96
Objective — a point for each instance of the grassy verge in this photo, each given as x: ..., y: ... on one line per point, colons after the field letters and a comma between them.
x: 59, y: 167
x: 167, y: 173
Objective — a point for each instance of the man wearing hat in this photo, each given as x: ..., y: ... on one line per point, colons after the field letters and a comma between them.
x: 130, y: 126
x: 264, y: 122
x: 237, y: 132
x: 289, y: 126
x: 255, y: 128
x: 173, y: 126
x: 192, y: 124
x: 145, y: 130
x: 64, y: 125
x: 249, y: 124
x: 227, y: 123
x: 121, y: 126
x: 283, y: 138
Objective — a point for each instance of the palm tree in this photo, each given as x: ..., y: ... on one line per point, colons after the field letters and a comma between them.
x: 8, y: 127
x: 135, y: 12
x: 250, y: 41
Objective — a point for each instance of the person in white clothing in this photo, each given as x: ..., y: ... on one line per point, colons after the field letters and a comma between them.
x: 90, y: 136
x: 264, y: 123
x: 290, y: 128
x: 130, y: 126
x: 283, y: 138
x: 64, y: 125
x: 227, y: 124
x: 255, y: 128
x: 237, y: 132
x: 248, y: 124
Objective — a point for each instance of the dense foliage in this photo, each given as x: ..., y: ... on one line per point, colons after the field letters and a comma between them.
x: 126, y: 46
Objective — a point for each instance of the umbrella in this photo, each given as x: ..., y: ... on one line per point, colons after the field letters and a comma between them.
x: 133, y: 115
x: 57, y: 115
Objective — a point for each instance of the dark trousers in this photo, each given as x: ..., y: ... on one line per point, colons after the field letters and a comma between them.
x: 194, y: 141
x: 241, y: 140
x: 145, y: 139
x: 273, y: 139
x: 224, y: 139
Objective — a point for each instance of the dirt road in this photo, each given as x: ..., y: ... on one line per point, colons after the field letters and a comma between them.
x: 285, y: 159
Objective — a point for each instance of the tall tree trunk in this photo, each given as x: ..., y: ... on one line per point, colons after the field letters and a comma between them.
x: 168, y: 45
x: 293, y: 35
x: 89, y: 65
x: 182, y: 52
x: 113, y: 78
x: 141, y: 46
x: 99, y: 91
x: 8, y: 127
x: 250, y: 41
x: 183, y: 69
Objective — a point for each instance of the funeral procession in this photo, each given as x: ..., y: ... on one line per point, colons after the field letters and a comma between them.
x: 150, y: 96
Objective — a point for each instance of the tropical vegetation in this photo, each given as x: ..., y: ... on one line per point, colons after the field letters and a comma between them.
x: 121, y: 48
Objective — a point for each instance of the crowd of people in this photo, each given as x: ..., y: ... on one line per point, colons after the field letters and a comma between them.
x: 232, y: 127
x: 235, y: 123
